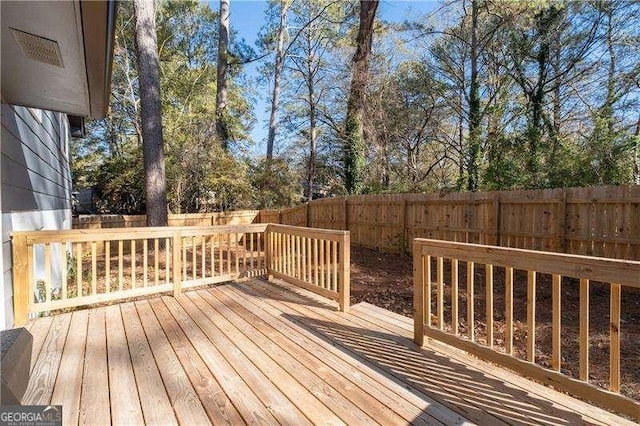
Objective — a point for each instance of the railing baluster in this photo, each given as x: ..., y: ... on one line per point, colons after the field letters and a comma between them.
x: 259, y: 255
x: 303, y: 249
x: 220, y: 256
x: 184, y: 259
x: 228, y: 254
x: 556, y: 297
x: 194, y: 259
x: 63, y: 271
x: 236, y: 240
x: 251, y: 250
x: 120, y: 264
x: 470, y: 302
x: 145, y: 261
x: 133, y: 263
x: 489, y: 303
x: 203, y: 244
x: 508, y: 308
x: 614, y: 345
x: 315, y: 260
x: 156, y: 262
x: 78, y: 269
x: 47, y: 270
x: 531, y: 316
x: 426, y: 279
x: 94, y: 268
x: 584, y: 329
x: 178, y: 266
x: 298, y: 257
x: 309, y: 260
x: 322, y: 261
x: 244, y: 253
x: 107, y: 267
x: 212, y: 261
x: 454, y: 296
x: 334, y: 251
x: 440, y: 292
x: 167, y: 262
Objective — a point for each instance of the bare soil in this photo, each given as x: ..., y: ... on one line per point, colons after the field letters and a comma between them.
x: 386, y: 280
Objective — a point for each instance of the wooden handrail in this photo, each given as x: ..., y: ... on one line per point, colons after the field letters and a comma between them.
x: 315, y: 259
x: 616, y: 273
x: 69, y: 268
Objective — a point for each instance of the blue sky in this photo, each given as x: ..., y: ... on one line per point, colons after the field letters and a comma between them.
x: 247, y: 17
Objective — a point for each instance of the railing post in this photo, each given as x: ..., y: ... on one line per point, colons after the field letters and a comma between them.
x: 344, y: 285
x: 176, y: 245
x: 268, y: 252
x: 418, y: 295
x: 21, y: 283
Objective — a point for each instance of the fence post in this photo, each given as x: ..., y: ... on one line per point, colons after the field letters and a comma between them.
x: 176, y: 245
x: 268, y: 251
x: 418, y: 295
x: 497, y: 213
x: 561, y: 231
x: 404, y: 231
x: 346, y: 213
x: 344, y: 285
x: 21, y: 283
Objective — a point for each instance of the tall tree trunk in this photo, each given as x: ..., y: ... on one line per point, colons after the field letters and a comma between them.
x: 275, y: 99
x: 221, y: 85
x: 354, y: 144
x: 151, y: 113
x: 473, y: 163
x: 313, y: 137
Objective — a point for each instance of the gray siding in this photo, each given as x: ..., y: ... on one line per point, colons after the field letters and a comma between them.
x: 36, y: 182
x: 35, y: 168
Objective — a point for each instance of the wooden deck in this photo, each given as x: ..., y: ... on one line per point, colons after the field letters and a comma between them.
x: 258, y: 352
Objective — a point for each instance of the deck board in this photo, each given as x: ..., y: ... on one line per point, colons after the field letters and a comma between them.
x: 156, y: 407
x: 68, y: 384
x: 268, y: 353
x: 184, y: 400
x: 94, y: 400
x: 45, y: 370
x: 124, y: 396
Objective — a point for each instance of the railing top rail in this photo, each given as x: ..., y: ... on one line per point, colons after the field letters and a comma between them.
x: 325, y: 234
x: 113, y: 234
x: 625, y: 272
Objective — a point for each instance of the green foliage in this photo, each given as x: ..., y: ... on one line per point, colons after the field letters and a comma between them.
x: 275, y: 185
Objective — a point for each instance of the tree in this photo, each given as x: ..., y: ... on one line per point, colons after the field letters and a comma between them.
x: 354, y: 143
x: 150, y: 111
x: 221, y: 84
x: 275, y: 98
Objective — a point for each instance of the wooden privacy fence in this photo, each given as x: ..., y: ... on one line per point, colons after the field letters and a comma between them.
x: 598, y: 221
x: 440, y: 264
x: 241, y: 217
x: 65, y: 269
x: 315, y: 259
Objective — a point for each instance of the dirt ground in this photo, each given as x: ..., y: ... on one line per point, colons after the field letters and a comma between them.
x: 386, y: 280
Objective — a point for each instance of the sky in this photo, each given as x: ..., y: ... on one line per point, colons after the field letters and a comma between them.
x: 247, y: 17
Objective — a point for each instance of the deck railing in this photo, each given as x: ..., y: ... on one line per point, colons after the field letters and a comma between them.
x: 64, y: 269
x: 315, y: 259
x: 570, y: 270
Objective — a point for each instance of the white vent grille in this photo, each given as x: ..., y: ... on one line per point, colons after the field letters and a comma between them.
x: 38, y: 48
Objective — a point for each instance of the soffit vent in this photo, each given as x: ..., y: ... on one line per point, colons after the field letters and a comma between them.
x: 38, y: 48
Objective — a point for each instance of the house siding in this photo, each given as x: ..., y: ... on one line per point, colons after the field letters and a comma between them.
x: 36, y: 182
